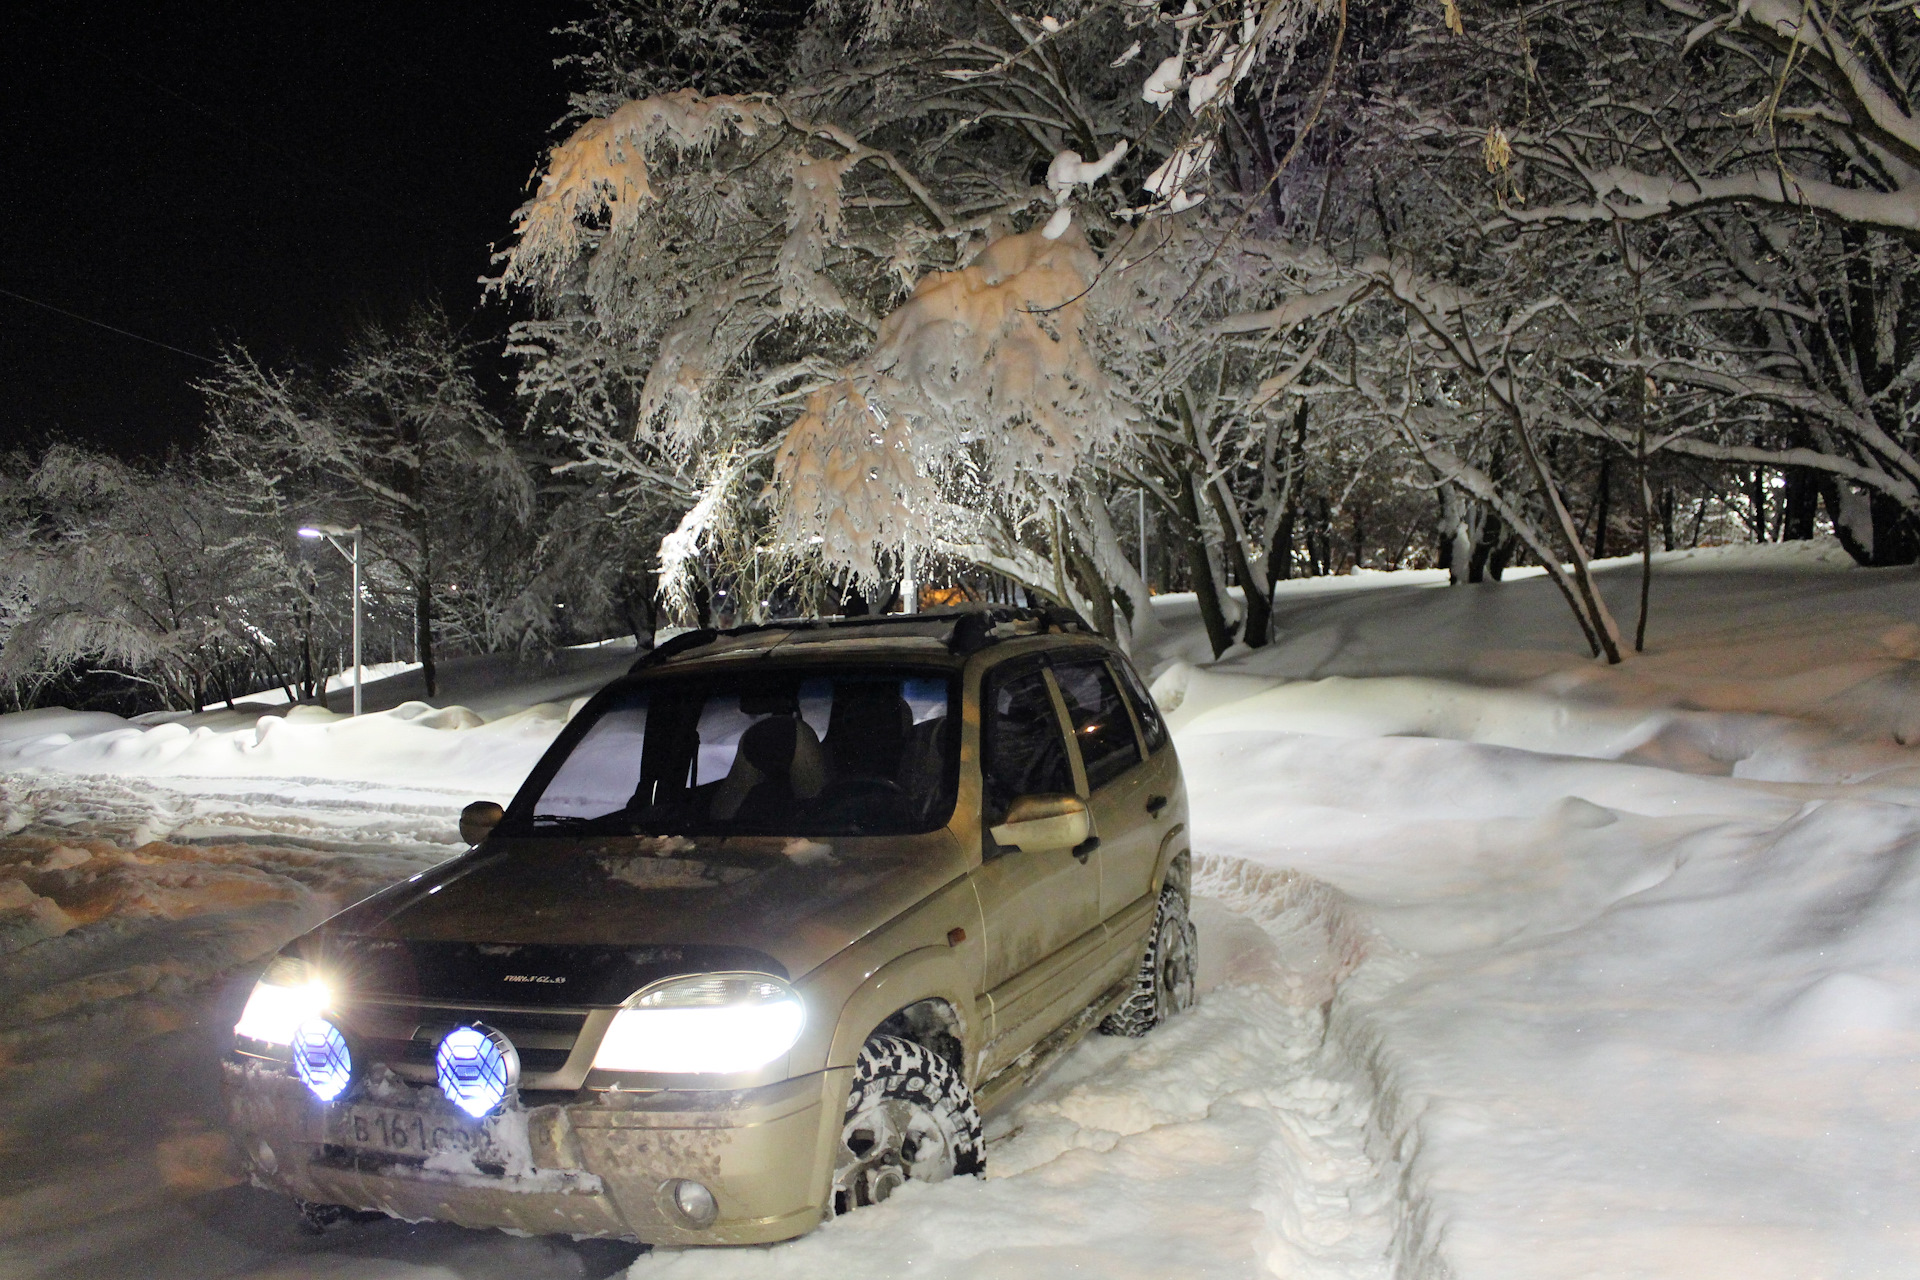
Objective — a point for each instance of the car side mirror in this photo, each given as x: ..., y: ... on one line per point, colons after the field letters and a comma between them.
x: 1041, y: 822
x: 478, y: 820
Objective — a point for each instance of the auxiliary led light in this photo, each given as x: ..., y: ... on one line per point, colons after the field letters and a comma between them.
x: 476, y: 1066
x: 321, y: 1058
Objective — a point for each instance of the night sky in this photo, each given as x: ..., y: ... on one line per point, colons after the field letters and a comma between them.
x: 271, y: 174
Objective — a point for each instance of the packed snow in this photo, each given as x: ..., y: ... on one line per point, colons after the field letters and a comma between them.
x: 1514, y: 964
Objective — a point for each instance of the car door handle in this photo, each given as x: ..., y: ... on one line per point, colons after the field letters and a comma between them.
x: 1085, y: 848
x: 1155, y: 804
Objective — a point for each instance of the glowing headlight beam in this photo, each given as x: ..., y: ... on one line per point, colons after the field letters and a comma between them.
x: 276, y: 1009
x: 711, y: 1025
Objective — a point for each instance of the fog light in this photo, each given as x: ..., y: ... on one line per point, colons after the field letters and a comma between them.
x: 695, y: 1203
x: 476, y: 1066
x: 321, y: 1059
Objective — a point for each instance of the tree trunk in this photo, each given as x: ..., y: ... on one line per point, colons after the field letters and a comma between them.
x: 1259, y: 607
x: 1585, y: 597
x: 423, y: 633
x: 1603, y: 503
x: 1755, y: 483
x: 1801, y: 506
x: 1504, y: 543
x: 309, y: 687
x: 1646, y: 526
x: 1200, y: 566
x: 1895, y: 539
x: 1088, y: 579
x: 1280, y: 555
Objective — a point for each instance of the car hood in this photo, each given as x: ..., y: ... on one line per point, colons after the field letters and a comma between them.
x: 590, y: 920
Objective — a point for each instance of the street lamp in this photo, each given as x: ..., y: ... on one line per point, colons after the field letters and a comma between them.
x: 333, y: 533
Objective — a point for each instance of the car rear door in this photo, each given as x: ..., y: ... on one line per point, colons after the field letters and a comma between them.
x: 1127, y: 796
x: 1044, y: 938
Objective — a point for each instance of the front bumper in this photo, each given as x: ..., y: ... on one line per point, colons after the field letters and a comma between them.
x: 593, y: 1164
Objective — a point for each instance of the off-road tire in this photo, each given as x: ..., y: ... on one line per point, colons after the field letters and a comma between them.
x: 909, y: 1115
x: 1164, y: 984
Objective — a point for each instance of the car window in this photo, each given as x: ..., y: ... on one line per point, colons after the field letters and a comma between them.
x: 1101, y: 725
x: 1151, y: 725
x: 1024, y: 752
x: 797, y: 753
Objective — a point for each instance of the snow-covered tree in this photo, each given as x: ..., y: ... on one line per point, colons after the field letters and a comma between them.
x: 397, y: 439
x: 908, y: 283
x: 141, y: 573
x: 850, y: 314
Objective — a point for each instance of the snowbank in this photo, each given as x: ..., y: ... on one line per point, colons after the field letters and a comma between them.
x: 1621, y: 1016
x: 1515, y: 965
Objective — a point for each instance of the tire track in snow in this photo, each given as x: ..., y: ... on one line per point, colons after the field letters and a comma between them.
x: 1232, y: 1142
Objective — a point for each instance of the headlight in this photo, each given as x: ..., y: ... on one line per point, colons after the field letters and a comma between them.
x: 288, y: 994
x: 717, y: 1023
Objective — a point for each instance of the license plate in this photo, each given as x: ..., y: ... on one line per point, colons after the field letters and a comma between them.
x: 401, y: 1133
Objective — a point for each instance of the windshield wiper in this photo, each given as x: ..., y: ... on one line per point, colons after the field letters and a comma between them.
x: 573, y: 820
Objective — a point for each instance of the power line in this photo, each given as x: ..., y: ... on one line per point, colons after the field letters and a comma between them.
x: 111, y: 328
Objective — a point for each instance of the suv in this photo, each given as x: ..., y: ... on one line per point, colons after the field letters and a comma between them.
x: 778, y: 914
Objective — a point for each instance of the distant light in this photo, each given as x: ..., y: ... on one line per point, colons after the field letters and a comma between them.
x: 309, y: 532
x: 321, y: 1059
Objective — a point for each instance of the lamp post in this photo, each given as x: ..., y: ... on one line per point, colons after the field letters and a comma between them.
x: 333, y: 533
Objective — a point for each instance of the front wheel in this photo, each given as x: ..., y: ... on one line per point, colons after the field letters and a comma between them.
x: 1164, y: 984
x: 909, y: 1115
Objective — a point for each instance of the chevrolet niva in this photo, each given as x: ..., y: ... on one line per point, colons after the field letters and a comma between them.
x: 778, y: 914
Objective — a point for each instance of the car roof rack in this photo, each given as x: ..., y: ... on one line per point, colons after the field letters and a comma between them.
x: 974, y: 627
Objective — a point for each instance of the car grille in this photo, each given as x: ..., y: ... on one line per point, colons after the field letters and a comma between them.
x: 405, y: 1037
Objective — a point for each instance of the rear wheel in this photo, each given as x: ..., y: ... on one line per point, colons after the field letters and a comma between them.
x: 1164, y: 984
x: 909, y: 1115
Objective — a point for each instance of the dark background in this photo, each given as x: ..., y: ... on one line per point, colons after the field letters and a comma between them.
x: 270, y: 174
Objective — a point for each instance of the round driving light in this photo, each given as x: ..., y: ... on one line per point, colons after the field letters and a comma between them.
x: 321, y: 1059
x: 476, y: 1066
x: 695, y: 1203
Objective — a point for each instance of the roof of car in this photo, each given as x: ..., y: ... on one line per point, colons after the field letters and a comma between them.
x: 941, y: 634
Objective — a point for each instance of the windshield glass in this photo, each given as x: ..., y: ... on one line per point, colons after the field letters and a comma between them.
x: 805, y: 752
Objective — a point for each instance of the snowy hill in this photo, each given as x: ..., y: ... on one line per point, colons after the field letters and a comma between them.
x: 1515, y: 965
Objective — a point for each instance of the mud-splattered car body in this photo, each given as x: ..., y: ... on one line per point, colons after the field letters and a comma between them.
x: 542, y: 936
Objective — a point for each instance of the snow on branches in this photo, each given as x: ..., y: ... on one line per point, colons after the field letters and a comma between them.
x: 600, y: 174
x: 981, y: 380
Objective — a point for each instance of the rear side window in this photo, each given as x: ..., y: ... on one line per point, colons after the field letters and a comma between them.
x: 1101, y: 724
x: 1024, y: 752
x: 1151, y: 725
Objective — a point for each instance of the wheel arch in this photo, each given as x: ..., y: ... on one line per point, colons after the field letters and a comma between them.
x: 921, y: 997
x: 932, y: 1023
x: 1175, y: 864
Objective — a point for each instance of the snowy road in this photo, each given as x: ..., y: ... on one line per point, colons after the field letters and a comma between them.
x: 1217, y: 1147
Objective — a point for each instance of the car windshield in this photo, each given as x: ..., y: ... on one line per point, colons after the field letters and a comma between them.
x: 801, y: 752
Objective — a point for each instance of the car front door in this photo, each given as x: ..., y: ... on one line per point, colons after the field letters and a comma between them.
x: 1044, y: 937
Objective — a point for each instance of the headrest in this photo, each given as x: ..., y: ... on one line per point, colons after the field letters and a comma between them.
x: 768, y: 745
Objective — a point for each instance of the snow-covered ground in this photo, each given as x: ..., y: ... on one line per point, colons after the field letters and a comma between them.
x: 1515, y: 965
